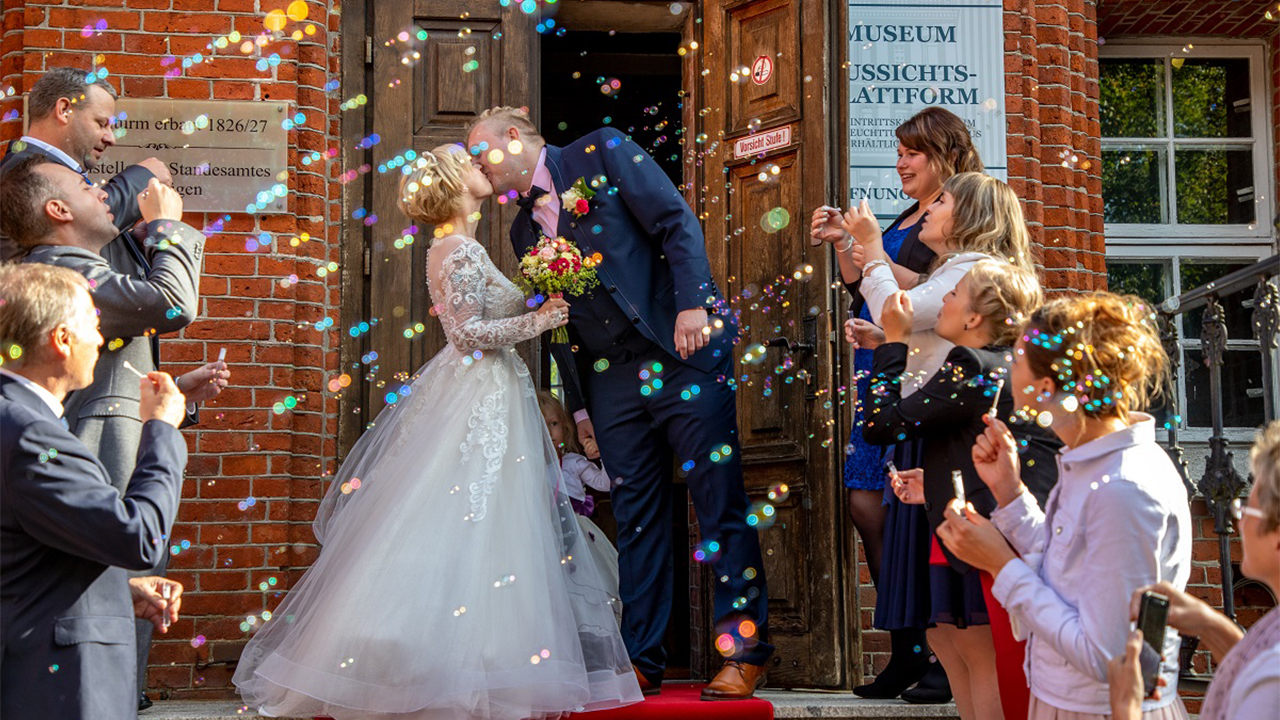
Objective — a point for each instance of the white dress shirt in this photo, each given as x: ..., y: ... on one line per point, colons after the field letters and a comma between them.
x: 54, y: 404
x: 927, y: 351
x: 1117, y: 520
x: 53, y: 151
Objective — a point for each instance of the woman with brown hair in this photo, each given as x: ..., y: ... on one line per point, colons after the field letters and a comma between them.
x: 933, y: 145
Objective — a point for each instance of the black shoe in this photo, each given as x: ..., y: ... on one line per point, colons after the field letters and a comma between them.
x: 908, y: 664
x: 933, y: 688
x: 144, y: 702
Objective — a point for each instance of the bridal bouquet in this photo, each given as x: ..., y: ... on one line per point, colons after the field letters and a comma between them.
x: 554, y: 267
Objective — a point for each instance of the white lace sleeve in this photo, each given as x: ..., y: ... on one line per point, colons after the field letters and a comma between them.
x: 462, y: 312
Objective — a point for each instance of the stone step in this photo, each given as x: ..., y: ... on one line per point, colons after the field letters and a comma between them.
x: 786, y: 704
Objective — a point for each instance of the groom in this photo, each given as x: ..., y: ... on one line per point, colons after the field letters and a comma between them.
x: 645, y: 374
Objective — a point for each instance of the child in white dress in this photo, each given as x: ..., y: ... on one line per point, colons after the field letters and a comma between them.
x: 579, y: 473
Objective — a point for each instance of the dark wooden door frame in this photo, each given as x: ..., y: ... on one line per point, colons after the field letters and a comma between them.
x: 356, y: 78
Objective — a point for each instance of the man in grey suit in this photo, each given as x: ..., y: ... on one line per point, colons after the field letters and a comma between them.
x: 66, y: 605
x: 59, y: 220
x: 69, y: 121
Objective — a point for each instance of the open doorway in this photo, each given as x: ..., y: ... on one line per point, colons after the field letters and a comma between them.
x: 610, y: 74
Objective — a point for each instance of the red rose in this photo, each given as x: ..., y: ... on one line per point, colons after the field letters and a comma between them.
x: 582, y: 206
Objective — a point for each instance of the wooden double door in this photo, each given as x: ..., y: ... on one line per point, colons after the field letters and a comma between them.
x: 756, y: 161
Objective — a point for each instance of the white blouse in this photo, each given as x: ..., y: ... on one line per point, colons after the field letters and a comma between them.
x: 927, y: 350
x: 1117, y: 520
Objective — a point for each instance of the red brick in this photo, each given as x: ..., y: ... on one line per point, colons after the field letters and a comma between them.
x: 198, y: 23
x: 77, y: 19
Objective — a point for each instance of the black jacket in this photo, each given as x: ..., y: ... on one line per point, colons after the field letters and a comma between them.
x: 946, y: 415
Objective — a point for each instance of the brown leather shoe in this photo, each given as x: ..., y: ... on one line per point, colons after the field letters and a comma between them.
x: 646, y: 688
x: 735, y: 681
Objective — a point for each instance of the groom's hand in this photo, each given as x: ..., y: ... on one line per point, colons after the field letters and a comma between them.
x: 691, y: 332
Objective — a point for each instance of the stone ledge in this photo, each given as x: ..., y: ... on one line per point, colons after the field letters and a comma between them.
x: 847, y: 706
x: 786, y: 704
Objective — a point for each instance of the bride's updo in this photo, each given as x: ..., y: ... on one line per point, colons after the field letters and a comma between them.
x: 434, y: 184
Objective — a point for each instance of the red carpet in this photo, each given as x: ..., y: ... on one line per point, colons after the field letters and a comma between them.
x: 679, y: 701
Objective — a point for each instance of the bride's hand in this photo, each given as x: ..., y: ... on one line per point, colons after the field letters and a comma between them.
x: 558, y: 309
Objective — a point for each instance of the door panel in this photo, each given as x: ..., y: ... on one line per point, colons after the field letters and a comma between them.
x: 756, y: 213
x: 437, y: 64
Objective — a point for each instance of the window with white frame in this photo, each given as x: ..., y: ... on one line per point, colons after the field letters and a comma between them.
x: 1186, y: 182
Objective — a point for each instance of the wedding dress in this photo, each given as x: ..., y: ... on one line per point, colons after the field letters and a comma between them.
x: 453, y: 581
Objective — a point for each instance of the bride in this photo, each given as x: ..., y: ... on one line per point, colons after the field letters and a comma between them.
x: 452, y: 582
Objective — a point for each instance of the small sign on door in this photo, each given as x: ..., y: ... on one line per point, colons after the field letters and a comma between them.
x: 762, y: 142
x: 762, y: 70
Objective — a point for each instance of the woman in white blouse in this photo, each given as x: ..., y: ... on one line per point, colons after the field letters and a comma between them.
x: 1118, y: 519
x: 976, y: 218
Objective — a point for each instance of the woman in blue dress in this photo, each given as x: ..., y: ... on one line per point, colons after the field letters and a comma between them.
x: 933, y: 145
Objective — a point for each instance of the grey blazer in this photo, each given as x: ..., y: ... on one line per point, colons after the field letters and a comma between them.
x: 66, y: 617
x: 122, y: 191
x: 135, y: 305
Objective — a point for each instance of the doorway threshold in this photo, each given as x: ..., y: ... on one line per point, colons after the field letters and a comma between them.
x: 786, y: 704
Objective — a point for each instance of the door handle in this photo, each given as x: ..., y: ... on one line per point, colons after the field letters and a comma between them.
x: 805, y: 352
x: 793, y: 348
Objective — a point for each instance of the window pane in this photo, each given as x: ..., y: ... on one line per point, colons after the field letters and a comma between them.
x: 1215, y: 186
x: 1242, y: 403
x: 1132, y: 102
x: 1144, y: 278
x: 1211, y: 98
x: 1133, y: 186
x: 1239, y: 318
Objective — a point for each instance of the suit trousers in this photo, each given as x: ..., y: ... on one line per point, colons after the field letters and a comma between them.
x: 644, y: 424
x: 115, y: 432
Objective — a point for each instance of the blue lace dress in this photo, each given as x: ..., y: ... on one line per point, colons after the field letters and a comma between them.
x: 864, y: 463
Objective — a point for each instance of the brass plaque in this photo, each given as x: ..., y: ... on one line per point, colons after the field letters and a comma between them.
x: 224, y: 156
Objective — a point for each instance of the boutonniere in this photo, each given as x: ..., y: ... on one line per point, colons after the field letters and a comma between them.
x: 576, y: 200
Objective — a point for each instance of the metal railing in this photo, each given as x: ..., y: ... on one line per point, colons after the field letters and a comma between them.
x: 1221, y: 484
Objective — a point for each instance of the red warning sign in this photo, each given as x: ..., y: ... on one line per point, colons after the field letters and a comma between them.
x: 762, y: 70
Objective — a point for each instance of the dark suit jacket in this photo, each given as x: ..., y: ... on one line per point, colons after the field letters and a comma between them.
x: 655, y: 259
x: 66, y: 617
x: 135, y: 305
x: 122, y: 194
x: 946, y: 414
x: 913, y: 255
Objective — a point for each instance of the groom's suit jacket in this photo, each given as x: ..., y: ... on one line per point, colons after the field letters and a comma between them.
x: 66, y: 617
x: 654, y: 256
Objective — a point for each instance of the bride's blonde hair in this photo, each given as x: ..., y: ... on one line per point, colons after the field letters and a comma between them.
x: 434, y: 185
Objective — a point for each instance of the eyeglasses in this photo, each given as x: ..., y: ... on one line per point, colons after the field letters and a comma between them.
x: 1239, y: 510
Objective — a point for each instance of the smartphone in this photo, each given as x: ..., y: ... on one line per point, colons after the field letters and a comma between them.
x: 1153, y: 613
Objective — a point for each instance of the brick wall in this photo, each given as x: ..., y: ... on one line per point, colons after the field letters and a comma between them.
x: 1051, y: 62
x: 242, y: 452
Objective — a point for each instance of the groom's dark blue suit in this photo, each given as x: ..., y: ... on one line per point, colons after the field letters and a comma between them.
x: 647, y: 405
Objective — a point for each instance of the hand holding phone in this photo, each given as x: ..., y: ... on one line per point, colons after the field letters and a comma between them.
x: 1153, y: 613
